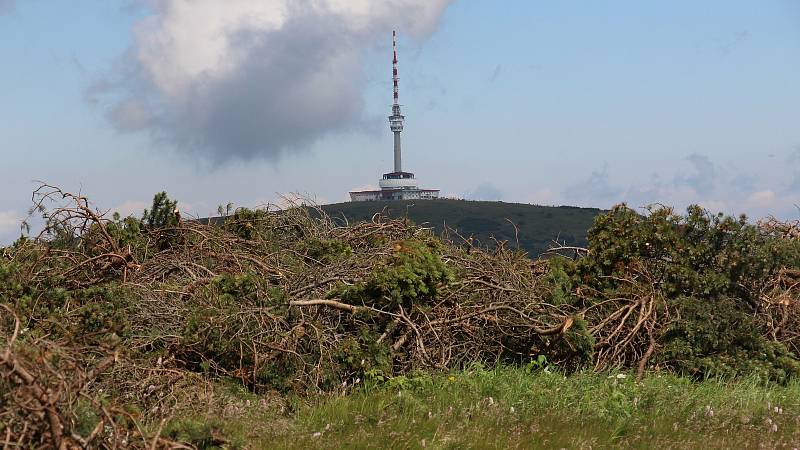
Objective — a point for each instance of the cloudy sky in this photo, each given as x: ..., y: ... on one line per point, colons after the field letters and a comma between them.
x: 586, y: 103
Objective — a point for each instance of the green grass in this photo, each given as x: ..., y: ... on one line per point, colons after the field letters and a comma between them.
x: 511, y: 408
x: 537, y: 226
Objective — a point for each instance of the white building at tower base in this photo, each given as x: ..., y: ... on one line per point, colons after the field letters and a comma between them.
x: 395, y: 186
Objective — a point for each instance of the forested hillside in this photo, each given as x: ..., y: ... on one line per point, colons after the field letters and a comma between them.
x: 536, y: 226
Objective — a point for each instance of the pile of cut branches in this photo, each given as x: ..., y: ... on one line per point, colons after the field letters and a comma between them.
x: 113, y: 325
x: 701, y: 294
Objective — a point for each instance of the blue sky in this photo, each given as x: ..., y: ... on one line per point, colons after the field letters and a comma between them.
x: 588, y: 103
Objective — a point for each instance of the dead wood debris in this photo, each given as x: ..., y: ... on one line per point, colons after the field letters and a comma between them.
x: 262, y: 299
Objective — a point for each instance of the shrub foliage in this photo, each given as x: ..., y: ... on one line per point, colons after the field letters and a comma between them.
x: 290, y: 301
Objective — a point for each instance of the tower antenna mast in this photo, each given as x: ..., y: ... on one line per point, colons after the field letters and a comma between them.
x: 395, y: 185
x: 397, y: 118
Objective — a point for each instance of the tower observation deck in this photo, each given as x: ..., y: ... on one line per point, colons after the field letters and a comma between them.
x: 395, y: 185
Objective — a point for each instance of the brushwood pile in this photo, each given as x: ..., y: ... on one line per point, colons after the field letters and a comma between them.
x: 109, y: 325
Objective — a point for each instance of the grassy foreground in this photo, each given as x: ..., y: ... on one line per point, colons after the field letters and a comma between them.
x: 513, y: 408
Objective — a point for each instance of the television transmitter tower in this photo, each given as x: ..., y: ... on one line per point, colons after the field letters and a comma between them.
x: 396, y: 119
x: 395, y: 185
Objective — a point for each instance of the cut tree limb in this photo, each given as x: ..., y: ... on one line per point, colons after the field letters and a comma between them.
x: 330, y: 303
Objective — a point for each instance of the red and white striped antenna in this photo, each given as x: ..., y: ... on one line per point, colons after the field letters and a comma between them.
x: 395, y: 78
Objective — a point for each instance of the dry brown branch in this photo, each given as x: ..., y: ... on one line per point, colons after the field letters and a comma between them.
x: 330, y: 303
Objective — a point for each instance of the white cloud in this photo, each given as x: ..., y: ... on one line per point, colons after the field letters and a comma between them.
x: 485, y: 191
x: 130, y: 115
x: 9, y: 222
x: 594, y: 190
x: 705, y: 175
x: 240, y: 79
x: 762, y: 198
x: 708, y: 184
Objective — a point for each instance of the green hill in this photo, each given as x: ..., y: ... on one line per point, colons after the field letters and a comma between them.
x: 536, y: 226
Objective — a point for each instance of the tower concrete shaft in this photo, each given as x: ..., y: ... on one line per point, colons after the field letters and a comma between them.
x: 397, y: 118
x: 398, y: 158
